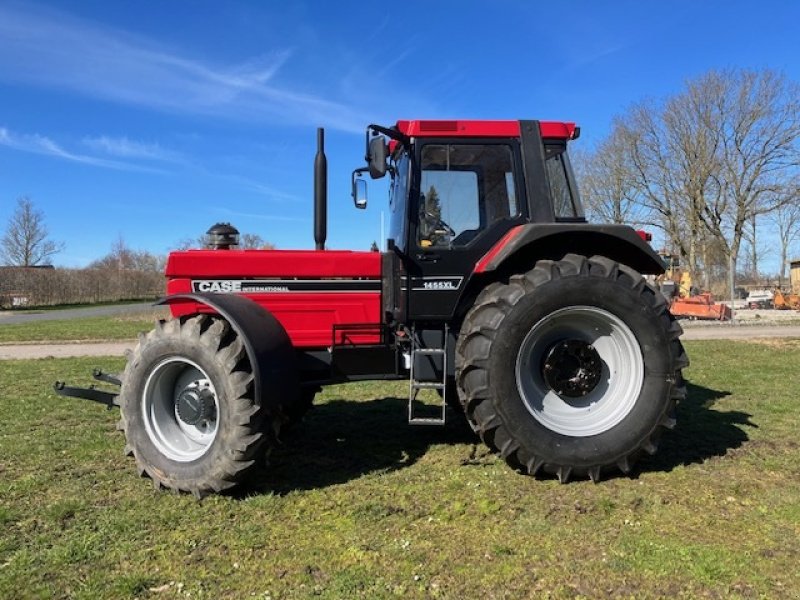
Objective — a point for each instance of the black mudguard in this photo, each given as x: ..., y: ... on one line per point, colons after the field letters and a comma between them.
x: 269, y: 349
x: 553, y: 240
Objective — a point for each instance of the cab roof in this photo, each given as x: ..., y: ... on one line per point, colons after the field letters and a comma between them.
x: 464, y: 128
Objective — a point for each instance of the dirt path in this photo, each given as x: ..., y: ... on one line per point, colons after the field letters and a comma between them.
x: 716, y: 331
x: 722, y: 331
x: 25, y: 351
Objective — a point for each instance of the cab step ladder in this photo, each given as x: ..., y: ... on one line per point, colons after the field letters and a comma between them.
x: 416, y: 385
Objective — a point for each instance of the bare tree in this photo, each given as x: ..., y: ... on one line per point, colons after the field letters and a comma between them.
x: 673, y: 156
x: 124, y: 258
x: 787, y: 220
x: 247, y: 241
x: 707, y: 162
x: 188, y: 243
x: 607, y: 182
x: 757, y: 115
x: 658, y: 185
x: 26, y: 242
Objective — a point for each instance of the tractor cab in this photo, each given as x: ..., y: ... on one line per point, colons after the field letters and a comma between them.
x: 459, y: 187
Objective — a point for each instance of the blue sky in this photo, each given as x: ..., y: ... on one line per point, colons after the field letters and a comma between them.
x: 152, y: 121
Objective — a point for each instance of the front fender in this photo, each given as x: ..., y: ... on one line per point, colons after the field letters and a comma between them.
x: 269, y: 349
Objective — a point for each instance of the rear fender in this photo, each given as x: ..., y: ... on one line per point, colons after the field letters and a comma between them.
x: 524, y: 245
x: 270, y: 352
x: 518, y: 250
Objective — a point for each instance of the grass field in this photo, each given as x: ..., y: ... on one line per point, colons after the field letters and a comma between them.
x: 357, y: 504
x: 121, y: 327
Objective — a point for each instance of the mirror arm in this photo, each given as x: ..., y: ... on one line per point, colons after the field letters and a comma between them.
x: 389, y: 132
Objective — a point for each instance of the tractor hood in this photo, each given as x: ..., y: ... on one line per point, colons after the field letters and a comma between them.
x: 308, y: 291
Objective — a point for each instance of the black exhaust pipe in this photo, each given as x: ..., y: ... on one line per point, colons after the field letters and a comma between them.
x: 320, y: 192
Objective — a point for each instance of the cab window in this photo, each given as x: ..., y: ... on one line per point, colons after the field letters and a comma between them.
x: 565, y: 204
x: 464, y: 189
x: 398, y: 195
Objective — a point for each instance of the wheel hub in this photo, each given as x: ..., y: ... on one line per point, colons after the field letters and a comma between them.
x: 579, y: 370
x: 572, y: 368
x: 180, y: 408
x: 195, y: 405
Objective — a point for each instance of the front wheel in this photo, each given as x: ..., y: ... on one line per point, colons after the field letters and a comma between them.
x: 189, y: 413
x: 571, y: 368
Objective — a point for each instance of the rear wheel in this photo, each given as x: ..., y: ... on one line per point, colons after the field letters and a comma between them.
x: 572, y: 368
x: 188, y: 409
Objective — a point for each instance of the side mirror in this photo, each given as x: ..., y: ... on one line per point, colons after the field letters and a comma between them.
x: 376, y: 157
x: 359, y: 189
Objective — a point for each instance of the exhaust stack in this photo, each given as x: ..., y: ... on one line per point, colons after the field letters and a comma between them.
x: 320, y: 192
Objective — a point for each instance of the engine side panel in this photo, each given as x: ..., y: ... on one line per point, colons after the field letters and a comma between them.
x: 307, y: 291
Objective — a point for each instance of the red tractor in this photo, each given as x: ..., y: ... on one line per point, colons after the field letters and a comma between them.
x: 494, y: 291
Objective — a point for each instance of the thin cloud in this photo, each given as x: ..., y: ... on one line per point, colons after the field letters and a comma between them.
x: 124, y: 147
x: 48, y: 48
x: 389, y: 66
x: 39, y: 144
x: 262, y: 188
x: 597, y: 54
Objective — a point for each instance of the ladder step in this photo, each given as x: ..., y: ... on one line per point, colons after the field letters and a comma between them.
x: 428, y: 385
x: 426, y: 421
x: 439, y: 382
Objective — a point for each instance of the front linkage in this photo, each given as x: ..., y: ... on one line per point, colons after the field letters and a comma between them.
x: 109, y: 398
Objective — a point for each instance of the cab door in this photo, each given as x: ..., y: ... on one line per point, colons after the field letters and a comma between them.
x: 466, y: 196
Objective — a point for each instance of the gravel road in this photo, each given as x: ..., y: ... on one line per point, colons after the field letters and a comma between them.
x: 692, y: 331
x: 10, y: 317
x: 724, y: 331
x: 25, y: 351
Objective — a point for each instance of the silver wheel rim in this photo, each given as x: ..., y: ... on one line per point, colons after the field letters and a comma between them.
x: 620, y: 381
x: 169, y: 432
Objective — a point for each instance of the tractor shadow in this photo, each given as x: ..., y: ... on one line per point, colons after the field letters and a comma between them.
x: 342, y: 440
x: 702, y: 432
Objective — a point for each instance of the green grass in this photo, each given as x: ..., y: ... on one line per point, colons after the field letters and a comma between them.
x: 120, y: 327
x: 358, y: 504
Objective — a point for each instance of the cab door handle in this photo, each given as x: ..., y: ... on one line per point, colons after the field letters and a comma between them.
x: 429, y: 257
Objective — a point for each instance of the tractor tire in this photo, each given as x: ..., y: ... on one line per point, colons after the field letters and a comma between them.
x: 571, y: 369
x: 188, y: 411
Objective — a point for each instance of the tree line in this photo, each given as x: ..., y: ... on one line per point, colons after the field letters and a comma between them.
x: 122, y: 274
x: 713, y: 167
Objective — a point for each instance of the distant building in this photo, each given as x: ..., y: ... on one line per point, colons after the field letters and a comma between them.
x: 795, y: 276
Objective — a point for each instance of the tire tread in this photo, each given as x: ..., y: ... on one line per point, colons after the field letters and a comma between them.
x: 479, y: 332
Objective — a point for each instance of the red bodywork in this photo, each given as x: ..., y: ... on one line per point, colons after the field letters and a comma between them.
x: 487, y: 258
x: 308, y: 316
x: 507, y: 129
x: 311, y: 291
